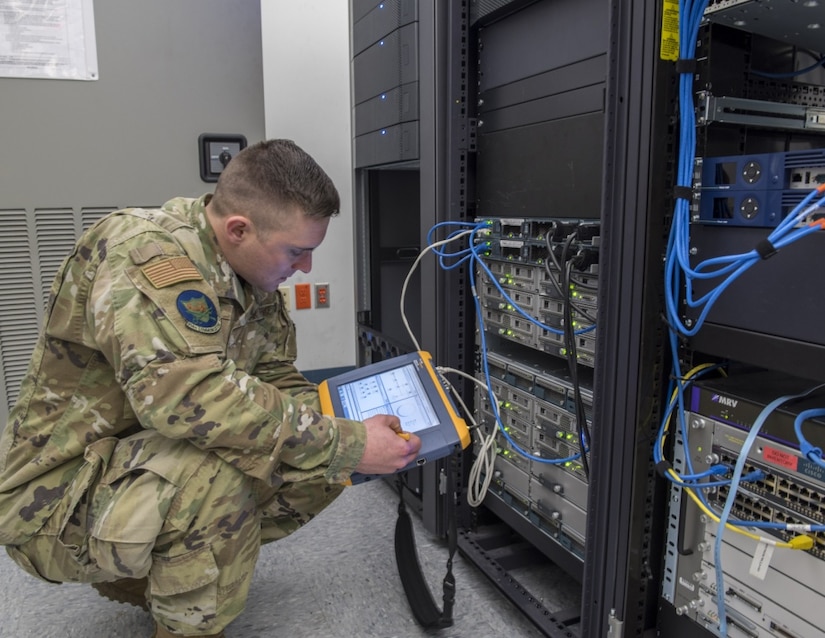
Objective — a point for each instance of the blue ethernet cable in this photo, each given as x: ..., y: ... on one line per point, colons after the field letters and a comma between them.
x: 493, y: 402
x: 810, y: 452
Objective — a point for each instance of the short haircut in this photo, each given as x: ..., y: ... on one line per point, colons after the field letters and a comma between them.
x: 267, y: 181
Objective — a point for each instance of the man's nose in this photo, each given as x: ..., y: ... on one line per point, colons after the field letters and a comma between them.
x: 304, y: 263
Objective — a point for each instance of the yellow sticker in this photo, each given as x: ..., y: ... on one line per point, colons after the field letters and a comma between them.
x: 171, y: 271
x: 669, y: 49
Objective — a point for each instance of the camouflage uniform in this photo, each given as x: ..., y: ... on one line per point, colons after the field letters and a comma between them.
x: 162, y: 428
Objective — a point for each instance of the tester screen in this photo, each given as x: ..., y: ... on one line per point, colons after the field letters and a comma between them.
x: 397, y: 392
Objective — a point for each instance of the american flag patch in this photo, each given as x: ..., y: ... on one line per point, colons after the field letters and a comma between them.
x: 171, y: 271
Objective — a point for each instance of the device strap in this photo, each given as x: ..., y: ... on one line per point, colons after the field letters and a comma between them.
x: 421, y: 600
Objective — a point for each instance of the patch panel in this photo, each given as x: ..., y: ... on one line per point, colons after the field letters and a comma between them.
x: 540, y: 228
x: 799, y: 495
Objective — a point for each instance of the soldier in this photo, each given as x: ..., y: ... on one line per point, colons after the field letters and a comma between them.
x: 162, y: 432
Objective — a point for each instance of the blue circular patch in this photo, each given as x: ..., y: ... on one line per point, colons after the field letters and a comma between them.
x: 198, y: 311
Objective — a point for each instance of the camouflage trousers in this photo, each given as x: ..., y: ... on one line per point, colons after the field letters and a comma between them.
x: 148, y: 506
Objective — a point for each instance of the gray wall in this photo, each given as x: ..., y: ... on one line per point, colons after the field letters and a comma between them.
x: 74, y: 150
x: 306, y: 95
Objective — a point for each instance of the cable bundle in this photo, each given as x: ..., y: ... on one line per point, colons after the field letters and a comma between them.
x: 472, y: 256
x: 680, y: 278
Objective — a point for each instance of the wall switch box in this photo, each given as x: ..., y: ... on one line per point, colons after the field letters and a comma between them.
x: 215, y: 151
x: 303, y: 296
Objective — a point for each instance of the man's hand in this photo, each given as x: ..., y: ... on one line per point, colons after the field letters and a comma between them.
x: 386, y: 451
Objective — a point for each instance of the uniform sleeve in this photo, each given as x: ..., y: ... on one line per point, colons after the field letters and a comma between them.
x: 286, y: 377
x: 162, y: 328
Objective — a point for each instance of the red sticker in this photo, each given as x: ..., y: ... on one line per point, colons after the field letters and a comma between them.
x: 778, y: 457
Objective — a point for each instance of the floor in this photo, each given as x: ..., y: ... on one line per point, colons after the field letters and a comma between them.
x: 335, y: 578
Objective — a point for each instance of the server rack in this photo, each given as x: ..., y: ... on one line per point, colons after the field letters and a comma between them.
x: 462, y: 156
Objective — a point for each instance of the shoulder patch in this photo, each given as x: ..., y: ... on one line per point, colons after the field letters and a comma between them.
x: 166, y: 272
x: 198, y: 311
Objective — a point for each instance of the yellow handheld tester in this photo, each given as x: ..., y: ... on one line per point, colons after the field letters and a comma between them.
x: 406, y: 386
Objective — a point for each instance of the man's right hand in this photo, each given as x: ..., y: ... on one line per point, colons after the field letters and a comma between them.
x: 385, y: 451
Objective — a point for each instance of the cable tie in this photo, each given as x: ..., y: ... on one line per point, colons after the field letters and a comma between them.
x: 683, y: 192
x: 686, y: 65
x: 766, y: 249
x: 662, y: 468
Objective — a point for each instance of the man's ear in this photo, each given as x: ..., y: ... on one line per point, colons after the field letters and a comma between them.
x: 237, y: 228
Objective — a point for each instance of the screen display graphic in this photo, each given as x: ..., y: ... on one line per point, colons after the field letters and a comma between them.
x: 398, y: 392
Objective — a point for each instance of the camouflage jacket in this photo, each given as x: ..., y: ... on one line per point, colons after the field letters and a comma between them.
x: 149, y: 327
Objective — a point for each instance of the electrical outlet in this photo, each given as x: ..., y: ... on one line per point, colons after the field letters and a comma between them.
x: 322, y: 295
x: 286, y: 293
x: 303, y: 296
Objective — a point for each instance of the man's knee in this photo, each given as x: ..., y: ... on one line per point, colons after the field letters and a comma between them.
x: 293, y: 505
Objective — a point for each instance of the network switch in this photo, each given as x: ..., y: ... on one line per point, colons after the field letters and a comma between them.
x: 782, y: 496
